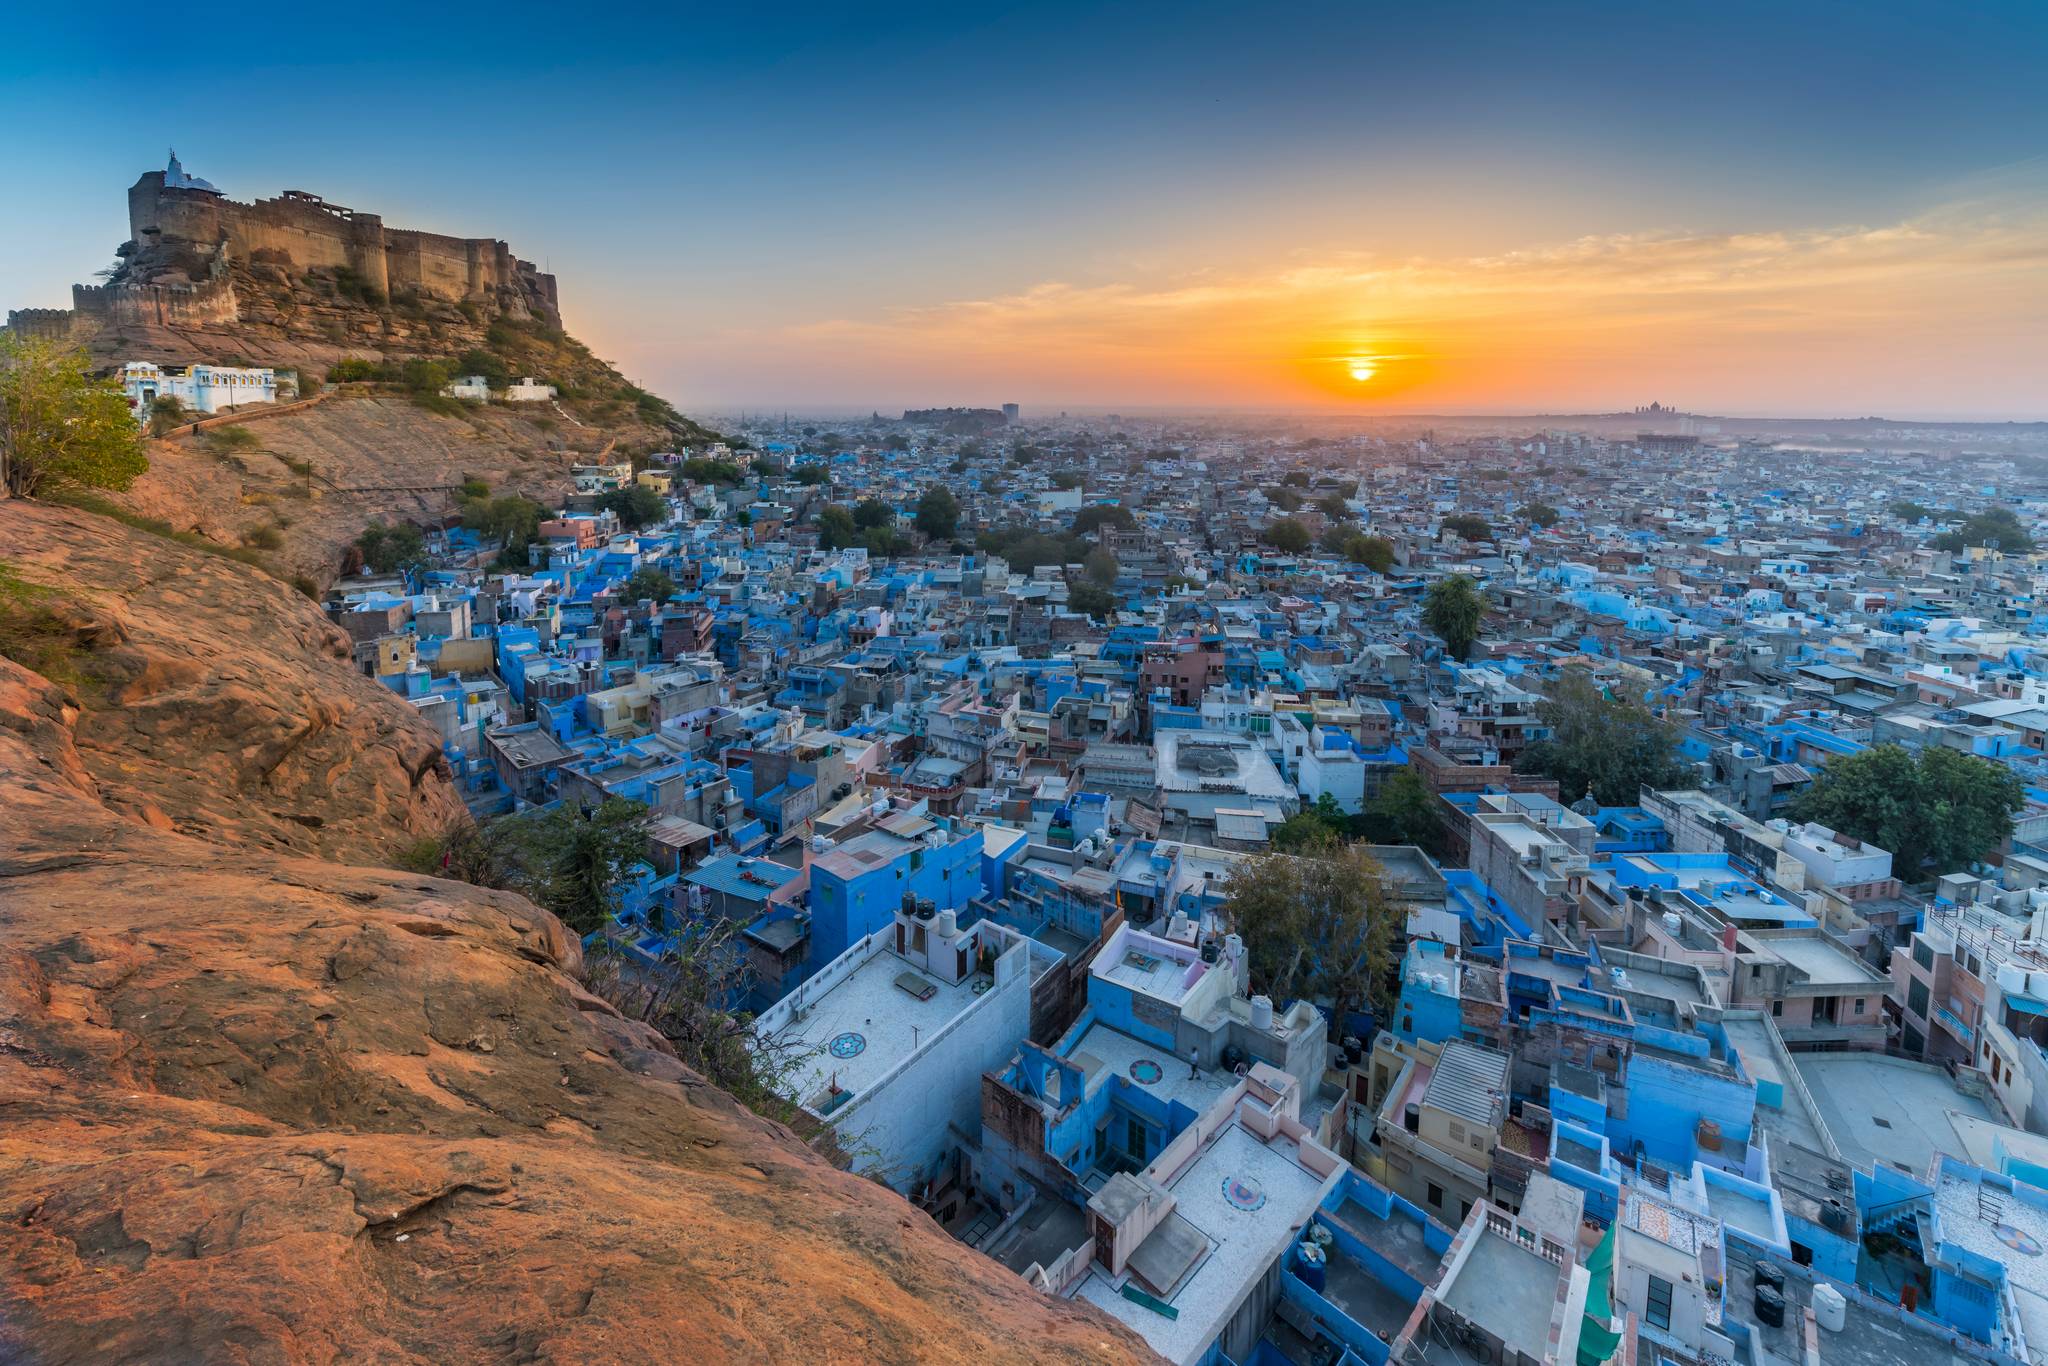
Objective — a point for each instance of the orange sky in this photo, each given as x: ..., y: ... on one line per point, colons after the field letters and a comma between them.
x: 1847, y: 319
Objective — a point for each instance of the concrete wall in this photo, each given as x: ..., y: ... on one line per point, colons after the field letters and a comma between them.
x: 901, y: 1127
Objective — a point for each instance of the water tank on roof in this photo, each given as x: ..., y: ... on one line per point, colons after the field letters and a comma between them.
x: 1674, y: 923
x: 1312, y: 1267
x: 949, y: 924
x: 1830, y: 1307
x: 1262, y: 1012
x: 1233, y: 945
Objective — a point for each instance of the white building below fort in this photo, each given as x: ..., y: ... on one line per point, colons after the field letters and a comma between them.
x: 201, y: 388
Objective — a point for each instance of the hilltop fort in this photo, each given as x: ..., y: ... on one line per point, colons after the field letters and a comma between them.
x: 294, y: 266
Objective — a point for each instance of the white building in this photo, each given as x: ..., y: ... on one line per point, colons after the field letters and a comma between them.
x: 472, y: 388
x: 1837, y: 860
x: 529, y: 390
x: 201, y: 388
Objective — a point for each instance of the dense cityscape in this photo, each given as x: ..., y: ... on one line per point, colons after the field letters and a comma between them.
x: 961, y: 754
x: 1309, y: 685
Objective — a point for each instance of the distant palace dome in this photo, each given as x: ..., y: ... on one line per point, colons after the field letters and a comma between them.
x: 176, y: 179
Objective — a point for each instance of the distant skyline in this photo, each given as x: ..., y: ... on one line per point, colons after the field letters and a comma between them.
x: 1814, y: 209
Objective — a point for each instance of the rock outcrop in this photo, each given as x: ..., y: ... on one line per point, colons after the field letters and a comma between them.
x: 262, y: 1107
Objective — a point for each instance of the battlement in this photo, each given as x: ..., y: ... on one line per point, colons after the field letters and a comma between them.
x: 308, y: 232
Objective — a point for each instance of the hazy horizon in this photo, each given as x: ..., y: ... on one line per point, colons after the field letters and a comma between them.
x: 1471, y: 210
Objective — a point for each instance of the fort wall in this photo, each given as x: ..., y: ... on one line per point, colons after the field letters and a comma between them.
x: 313, y: 234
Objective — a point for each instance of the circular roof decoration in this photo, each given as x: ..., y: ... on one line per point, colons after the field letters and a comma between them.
x: 848, y: 1045
x: 1145, y: 1071
x: 2019, y: 1240
x: 1244, y: 1193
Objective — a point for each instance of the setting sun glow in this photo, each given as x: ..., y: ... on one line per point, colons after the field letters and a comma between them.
x: 1362, y: 368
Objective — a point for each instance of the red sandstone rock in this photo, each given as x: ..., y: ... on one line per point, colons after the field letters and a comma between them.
x: 256, y: 1107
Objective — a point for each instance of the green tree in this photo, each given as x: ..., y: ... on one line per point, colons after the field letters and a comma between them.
x: 811, y: 474
x: 1541, y: 514
x: 1453, y: 609
x: 1298, y: 479
x: 1286, y: 499
x: 1100, y: 566
x: 1466, y: 526
x: 166, y: 414
x: 1612, y: 747
x: 59, y: 425
x: 1374, y: 552
x: 1316, y: 826
x: 938, y: 513
x: 1995, y: 527
x: 885, y: 542
x: 1098, y: 515
x: 1063, y: 480
x: 1908, y: 511
x: 836, y: 529
x: 896, y: 441
x: 1287, y: 536
x: 650, y: 584
x: 478, y: 361
x: 511, y: 520
x: 1404, y: 812
x: 873, y: 512
x: 1334, y: 506
x: 1097, y: 601
x: 636, y: 505
x: 1936, y: 813
x: 1320, y: 925
x: 390, y: 549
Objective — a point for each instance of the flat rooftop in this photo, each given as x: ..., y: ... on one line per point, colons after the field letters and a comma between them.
x: 1507, y: 1290
x: 1792, y: 1120
x: 1824, y: 963
x: 866, y: 1024
x: 1157, y: 968
x: 1887, y: 1111
x: 1245, y: 1198
x: 1104, y: 1051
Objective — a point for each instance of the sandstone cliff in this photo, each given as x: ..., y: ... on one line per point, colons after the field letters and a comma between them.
x: 262, y: 1107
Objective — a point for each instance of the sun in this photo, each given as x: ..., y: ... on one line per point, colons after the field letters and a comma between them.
x: 1362, y: 368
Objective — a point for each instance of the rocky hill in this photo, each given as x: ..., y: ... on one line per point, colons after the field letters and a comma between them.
x: 259, y: 1102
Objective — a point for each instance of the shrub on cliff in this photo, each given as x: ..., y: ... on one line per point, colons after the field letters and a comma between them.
x: 60, y: 425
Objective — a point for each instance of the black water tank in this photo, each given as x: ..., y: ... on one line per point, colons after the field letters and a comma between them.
x: 1767, y: 1273
x: 1770, y: 1307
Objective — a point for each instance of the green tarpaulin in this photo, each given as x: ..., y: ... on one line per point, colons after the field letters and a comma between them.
x: 1597, y: 1341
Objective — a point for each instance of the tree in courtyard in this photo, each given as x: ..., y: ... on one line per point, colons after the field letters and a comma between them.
x: 1374, y: 552
x: 1333, y: 506
x: 1319, y: 925
x: 1404, y: 812
x: 1996, y: 527
x: 59, y: 425
x: 1612, y: 747
x: 836, y: 529
x: 938, y: 513
x: 1098, y: 515
x: 636, y: 506
x: 1453, y: 609
x: 1541, y: 515
x: 1100, y: 566
x: 1942, y: 811
x: 649, y: 584
x: 1092, y: 598
x: 873, y: 512
x: 1468, y: 527
x: 1287, y: 536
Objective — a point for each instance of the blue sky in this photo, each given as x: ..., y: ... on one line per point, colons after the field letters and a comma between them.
x: 728, y: 196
